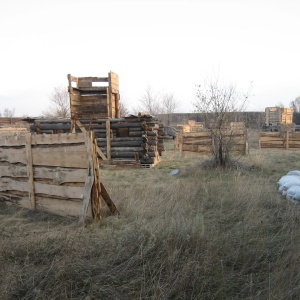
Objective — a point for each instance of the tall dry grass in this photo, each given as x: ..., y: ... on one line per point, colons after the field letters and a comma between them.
x: 202, y: 234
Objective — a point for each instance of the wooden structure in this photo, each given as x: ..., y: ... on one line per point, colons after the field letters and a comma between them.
x: 202, y: 142
x: 136, y: 141
x: 94, y: 97
x: 278, y: 115
x: 57, y: 173
x: 284, y: 139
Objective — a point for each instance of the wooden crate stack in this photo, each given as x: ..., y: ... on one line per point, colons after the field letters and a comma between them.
x: 278, y: 115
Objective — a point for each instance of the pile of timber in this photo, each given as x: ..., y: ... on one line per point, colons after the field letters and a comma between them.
x: 136, y: 140
x: 281, y: 140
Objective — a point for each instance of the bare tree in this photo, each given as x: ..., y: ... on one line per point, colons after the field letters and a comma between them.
x: 149, y: 102
x: 124, y: 110
x: 220, y: 103
x: 169, y: 105
x: 295, y: 104
x: 59, y: 103
x: 9, y: 113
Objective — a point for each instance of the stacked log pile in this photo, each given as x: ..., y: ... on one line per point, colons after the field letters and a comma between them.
x: 136, y: 140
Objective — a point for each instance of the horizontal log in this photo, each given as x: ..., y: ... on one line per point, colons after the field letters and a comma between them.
x: 129, y: 154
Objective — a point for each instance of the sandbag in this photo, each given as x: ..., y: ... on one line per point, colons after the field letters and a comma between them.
x: 295, y: 172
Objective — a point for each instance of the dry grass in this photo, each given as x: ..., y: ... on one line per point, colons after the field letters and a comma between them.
x: 202, y: 234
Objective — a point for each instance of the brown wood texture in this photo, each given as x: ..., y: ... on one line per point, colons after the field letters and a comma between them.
x: 48, y: 172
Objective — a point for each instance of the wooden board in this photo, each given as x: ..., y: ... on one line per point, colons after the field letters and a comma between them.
x: 74, y: 156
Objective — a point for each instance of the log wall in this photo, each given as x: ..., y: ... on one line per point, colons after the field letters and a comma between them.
x: 129, y: 141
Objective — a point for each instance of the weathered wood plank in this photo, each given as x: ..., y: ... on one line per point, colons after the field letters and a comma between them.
x: 86, y: 198
x: 60, y: 175
x: 13, y: 171
x: 13, y: 155
x: 30, y: 170
x: 68, y: 192
x: 65, y: 208
x: 13, y: 140
x: 10, y: 184
x: 67, y: 156
x: 63, y: 138
x: 18, y: 199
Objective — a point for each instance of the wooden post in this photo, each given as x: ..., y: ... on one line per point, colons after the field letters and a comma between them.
x: 87, y: 193
x: 287, y: 140
x: 70, y: 89
x: 30, y: 171
x: 108, y: 145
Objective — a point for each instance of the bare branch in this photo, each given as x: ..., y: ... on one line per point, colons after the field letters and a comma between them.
x: 59, y: 103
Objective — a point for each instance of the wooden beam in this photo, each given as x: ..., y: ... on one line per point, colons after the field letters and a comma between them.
x: 30, y: 171
x: 101, y: 154
x: 78, y: 123
x: 108, y: 145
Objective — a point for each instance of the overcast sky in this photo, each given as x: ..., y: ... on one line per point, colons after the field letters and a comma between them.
x: 168, y: 45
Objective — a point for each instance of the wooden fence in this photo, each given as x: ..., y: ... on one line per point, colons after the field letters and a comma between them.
x: 281, y: 140
x: 57, y: 173
x: 202, y: 142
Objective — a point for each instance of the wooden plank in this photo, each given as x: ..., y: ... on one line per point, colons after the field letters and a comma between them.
x: 60, y: 175
x: 10, y: 184
x: 108, y: 146
x: 62, y: 138
x: 113, y: 209
x: 30, y: 171
x: 12, y: 155
x: 65, y: 208
x: 65, y: 156
x: 13, y: 140
x: 101, y: 154
x: 68, y: 192
x: 87, y: 193
x: 78, y: 123
x: 16, y: 198
x: 13, y: 171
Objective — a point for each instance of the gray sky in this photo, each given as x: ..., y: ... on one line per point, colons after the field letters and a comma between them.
x: 168, y: 45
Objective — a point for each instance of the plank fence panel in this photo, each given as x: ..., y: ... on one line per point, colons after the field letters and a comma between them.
x: 49, y: 172
x: 280, y: 140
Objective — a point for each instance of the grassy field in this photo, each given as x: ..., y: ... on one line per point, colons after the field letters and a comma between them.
x: 202, y: 234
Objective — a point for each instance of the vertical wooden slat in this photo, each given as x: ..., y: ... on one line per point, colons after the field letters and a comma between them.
x: 108, y: 146
x: 109, y: 96
x: 30, y: 171
x: 70, y: 88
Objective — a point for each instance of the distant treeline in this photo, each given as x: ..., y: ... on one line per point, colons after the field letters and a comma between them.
x: 252, y: 119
